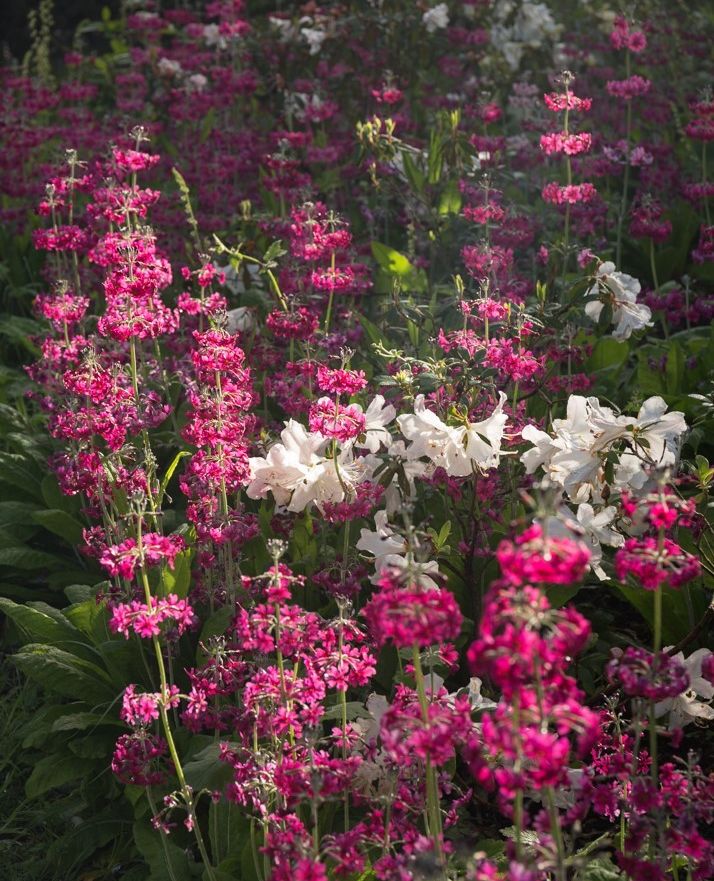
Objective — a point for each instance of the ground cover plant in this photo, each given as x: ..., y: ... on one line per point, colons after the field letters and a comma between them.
x: 356, y: 419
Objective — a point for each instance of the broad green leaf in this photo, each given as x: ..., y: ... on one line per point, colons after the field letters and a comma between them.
x: 82, y: 720
x: 53, y: 496
x: 53, y: 771
x: 178, y: 579
x: 17, y: 471
x: 13, y: 512
x: 157, y: 850
x: 560, y: 594
x: 450, y: 201
x: 676, y: 621
x: 84, y: 614
x: 608, y: 354
x: 60, y: 523
x: 390, y: 260
x: 205, y: 771
x: 80, y: 842
x: 28, y: 559
x: 78, y: 593
x: 674, y: 372
x: 35, y: 625
x: 228, y: 829
x: 64, y: 673
x: 216, y: 625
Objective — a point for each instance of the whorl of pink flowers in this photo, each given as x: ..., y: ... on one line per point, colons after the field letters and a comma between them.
x: 145, y: 620
x: 569, y: 194
x: 652, y: 677
x: 336, y: 420
x: 519, y: 630
x: 121, y: 560
x: 651, y: 563
x: 633, y: 87
x: 570, y: 144
x: 142, y: 708
x: 409, y: 615
x: 558, y: 102
x: 537, y: 558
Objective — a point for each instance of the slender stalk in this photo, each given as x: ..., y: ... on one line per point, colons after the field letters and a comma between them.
x: 626, y: 178
x: 186, y: 790
x: 164, y: 845
x: 433, y: 807
x: 653, y: 265
x: 328, y: 316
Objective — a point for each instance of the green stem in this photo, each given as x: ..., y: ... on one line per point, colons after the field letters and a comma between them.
x: 433, y: 808
x: 186, y: 790
x: 164, y: 845
x: 653, y: 265
x: 557, y: 832
x: 328, y: 316
x: 626, y: 179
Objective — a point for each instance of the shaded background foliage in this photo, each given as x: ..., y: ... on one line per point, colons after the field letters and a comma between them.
x: 67, y: 16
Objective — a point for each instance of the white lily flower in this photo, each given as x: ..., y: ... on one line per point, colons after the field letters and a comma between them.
x: 382, y: 541
x: 572, y: 455
x: 621, y: 291
x: 389, y: 550
x: 377, y: 416
x: 686, y: 708
x: 456, y: 449
x: 314, y: 38
x: 436, y: 18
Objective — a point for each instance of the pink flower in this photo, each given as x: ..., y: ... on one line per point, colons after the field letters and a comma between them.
x: 409, y: 615
x: 651, y: 563
x: 336, y: 420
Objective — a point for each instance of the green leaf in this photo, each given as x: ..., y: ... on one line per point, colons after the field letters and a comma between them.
x: 53, y: 771
x: 436, y: 157
x: 158, y: 849
x: 560, y: 594
x: 178, y: 579
x: 28, y: 559
x: 390, y: 260
x: 84, y: 614
x: 82, y: 841
x: 674, y: 372
x: 375, y: 335
x: 170, y: 473
x: 414, y: 175
x: 13, y: 512
x: 600, y: 869
x: 34, y: 625
x: 228, y: 827
x: 216, y: 625
x: 82, y: 720
x: 205, y: 771
x: 64, y: 673
x: 274, y: 252
x: 60, y: 523
x: 676, y: 622
x: 78, y: 593
x: 608, y: 354
x: 450, y: 201
x: 207, y: 124
x: 53, y: 496
x: 17, y: 471
x: 354, y: 709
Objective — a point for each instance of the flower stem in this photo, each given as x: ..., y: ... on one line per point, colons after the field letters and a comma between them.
x: 433, y: 808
